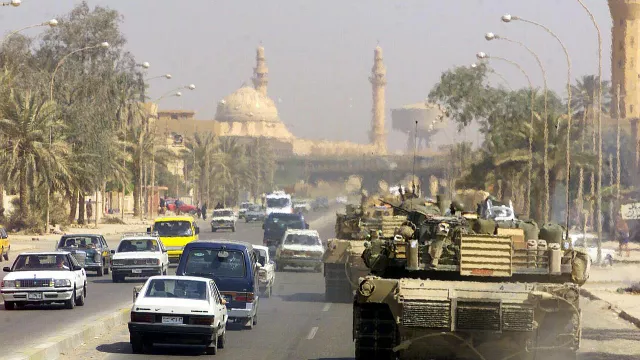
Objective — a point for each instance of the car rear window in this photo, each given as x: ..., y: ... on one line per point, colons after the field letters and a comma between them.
x: 300, y: 239
x: 79, y: 241
x: 215, y: 262
x: 181, y: 289
x: 138, y: 245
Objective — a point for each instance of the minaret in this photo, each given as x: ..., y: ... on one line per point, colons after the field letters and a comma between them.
x: 260, y: 72
x: 625, y: 60
x: 378, y: 81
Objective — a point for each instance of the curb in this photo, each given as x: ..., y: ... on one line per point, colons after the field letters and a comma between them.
x: 621, y: 313
x: 57, y: 347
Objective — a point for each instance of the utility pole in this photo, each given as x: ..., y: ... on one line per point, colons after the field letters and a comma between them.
x: 619, y: 115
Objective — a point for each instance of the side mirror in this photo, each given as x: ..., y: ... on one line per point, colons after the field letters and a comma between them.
x: 197, y: 230
x: 6, y: 269
x: 113, y: 251
x: 149, y: 230
x: 77, y: 267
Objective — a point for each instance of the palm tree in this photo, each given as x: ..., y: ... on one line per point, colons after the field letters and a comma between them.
x: 200, y: 149
x: 32, y: 154
x: 229, y: 167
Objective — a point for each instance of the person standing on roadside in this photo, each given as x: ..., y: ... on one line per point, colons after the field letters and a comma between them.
x: 204, y: 211
x: 89, y: 209
x: 622, y: 230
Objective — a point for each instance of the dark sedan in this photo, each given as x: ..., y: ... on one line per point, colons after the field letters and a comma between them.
x: 91, y: 251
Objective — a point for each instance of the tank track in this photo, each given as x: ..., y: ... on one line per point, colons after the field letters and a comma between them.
x: 337, y: 287
x: 375, y: 332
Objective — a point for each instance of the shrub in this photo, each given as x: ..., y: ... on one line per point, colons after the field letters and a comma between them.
x: 112, y: 220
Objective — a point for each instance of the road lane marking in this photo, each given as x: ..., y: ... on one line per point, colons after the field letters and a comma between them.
x: 312, y: 333
x: 326, y: 307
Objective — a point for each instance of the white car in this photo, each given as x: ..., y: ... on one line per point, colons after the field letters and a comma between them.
x: 243, y: 209
x: 300, y: 248
x: 223, y: 219
x: 302, y: 206
x: 44, y: 278
x: 608, y: 255
x: 266, y: 269
x: 139, y: 255
x: 178, y: 310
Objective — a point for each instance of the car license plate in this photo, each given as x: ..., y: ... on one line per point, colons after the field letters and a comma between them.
x: 172, y: 319
x: 34, y: 296
x: 136, y: 271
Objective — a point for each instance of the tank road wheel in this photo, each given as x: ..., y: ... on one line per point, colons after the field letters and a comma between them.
x: 375, y: 332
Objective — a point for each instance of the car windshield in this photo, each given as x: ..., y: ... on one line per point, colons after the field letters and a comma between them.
x: 79, y: 242
x: 262, y: 256
x: 291, y: 221
x: 181, y: 289
x: 41, y: 262
x: 223, y: 213
x: 302, y: 239
x: 138, y: 245
x: 254, y: 208
x: 173, y: 228
x: 278, y: 202
x: 215, y: 262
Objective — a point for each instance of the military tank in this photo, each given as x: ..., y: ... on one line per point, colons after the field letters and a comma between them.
x: 439, y: 289
x: 343, y: 264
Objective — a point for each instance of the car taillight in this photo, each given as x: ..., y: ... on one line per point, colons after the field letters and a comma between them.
x: 142, y: 317
x: 201, y: 320
x: 245, y: 297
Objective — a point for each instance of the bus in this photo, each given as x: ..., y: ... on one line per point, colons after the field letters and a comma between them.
x: 278, y: 202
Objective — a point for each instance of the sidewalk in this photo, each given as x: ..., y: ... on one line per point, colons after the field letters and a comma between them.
x: 609, y: 284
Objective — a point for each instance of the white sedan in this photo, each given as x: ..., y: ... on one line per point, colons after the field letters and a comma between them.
x: 266, y: 269
x: 178, y: 310
x: 300, y: 248
x: 44, y: 278
x: 139, y: 255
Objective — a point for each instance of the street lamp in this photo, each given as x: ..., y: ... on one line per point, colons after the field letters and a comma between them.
x: 482, y: 56
x: 174, y: 92
x: 14, y: 3
x: 103, y: 45
x: 491, y: 36
x: 51, y: 23
x: 598, y: 109
x: 145, y: 65
x: 53, y: 76
x: 493, y: 71
x: 166, y: 76
x: 507, y: 18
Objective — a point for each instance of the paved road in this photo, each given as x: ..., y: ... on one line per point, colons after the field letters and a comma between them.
x: 296, y: 323
x: 23, y: 328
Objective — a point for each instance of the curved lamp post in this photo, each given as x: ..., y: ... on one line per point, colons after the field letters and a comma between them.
x: 482, y: 56
x: 491, y: 36
x: 53, y: 76
x: 50, y: 23
x: 14, y: 3
x: 166, y: 76
x: 493, y: 71
x: 507, y: 18
x: 175, y: 91
x: 598, y: 109
x: 103, y: 45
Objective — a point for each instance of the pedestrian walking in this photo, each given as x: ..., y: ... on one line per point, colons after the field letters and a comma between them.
x: 89, y: 208
x: 622, y: 230
x: 204, y: 211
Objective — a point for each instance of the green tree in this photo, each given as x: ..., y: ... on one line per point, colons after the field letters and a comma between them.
x: 31, y: 156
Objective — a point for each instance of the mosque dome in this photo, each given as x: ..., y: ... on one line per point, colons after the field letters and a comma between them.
x: 247, y: 105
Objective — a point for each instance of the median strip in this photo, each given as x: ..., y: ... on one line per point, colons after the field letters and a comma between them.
x: 57, y: 347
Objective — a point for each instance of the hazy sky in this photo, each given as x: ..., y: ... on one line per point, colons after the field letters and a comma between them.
x: 320, y: 53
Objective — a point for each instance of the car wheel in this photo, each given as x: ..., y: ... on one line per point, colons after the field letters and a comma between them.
x: 71, y: 303
x: 137, y: 346
x: 106, y: 269
x: 222, y: 339
x: 233, y: 229
x: 99, y: 272
x: 212, y: 348
x: 9, y: 305
x: 254, y: 321
x: 249, y: 324
x: 81, y: 298
x: 6, y: 255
